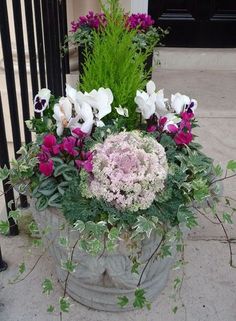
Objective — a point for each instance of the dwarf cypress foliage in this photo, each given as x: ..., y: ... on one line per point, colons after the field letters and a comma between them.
x: 115, y: 63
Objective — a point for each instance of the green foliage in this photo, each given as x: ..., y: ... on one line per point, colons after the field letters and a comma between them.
x: 122, y: 301
x: 4, y: 227
x: 140, y: 300
x: 47, y: 286
x: 185, y: 215
x: 50, y: 309
x: 150, y: 38
x: 64, y: 305
x: 115, y: 63
x: 232, y: 165
x: 4, y: 173
x: 69, y: 266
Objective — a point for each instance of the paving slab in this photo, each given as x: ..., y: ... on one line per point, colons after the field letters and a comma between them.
x: 214, y: 90
x: 208, y: 292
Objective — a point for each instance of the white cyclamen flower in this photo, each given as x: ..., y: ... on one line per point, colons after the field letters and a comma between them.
x: 179, y: 102
x: 63, y: 115
x: 122, y: 111
x: 146, y: 100
x: 100, y: 100
x: 161, y: 103
x: 86, y: 114
x: 41, y: 100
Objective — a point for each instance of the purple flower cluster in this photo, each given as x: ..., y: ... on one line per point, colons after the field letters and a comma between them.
x: 140, y: 21
x: 91, y: 20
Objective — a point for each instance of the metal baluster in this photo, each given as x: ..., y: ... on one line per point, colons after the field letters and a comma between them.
x: 22, y: 66
x: 4, y: 160
x: 10, y: 80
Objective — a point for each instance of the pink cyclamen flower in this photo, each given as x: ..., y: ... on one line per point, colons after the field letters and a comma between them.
x: 68, y: 145
x: 77, y: 132
x: 85, y: 162
x: 46, y: 168
x: 183, y: 138
x: 50, y: 144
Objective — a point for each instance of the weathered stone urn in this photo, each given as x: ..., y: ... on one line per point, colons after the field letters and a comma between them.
x: 99, y: 280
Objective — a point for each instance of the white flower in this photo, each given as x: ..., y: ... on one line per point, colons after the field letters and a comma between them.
x: 171, y: 122
x: 122, y: 111
x: 86, y: 114
x: 41, y: 100
x: 146, y: 100
x: 100, y: 100
x: 179, y: 102
x: 160, y: 103
x: 63, y: 115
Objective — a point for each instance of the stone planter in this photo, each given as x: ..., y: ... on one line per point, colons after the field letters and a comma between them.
x: 99, y: 280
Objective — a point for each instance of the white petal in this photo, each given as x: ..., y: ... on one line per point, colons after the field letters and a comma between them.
x: 71, y: 93
x: 66, y: 107
x: 44, y: 93
x: 60, y: 129
x: 150, y: 87
x: 57, y: 113
x: 99, y: 123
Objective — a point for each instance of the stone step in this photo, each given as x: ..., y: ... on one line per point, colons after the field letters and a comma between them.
x: 197, y: 58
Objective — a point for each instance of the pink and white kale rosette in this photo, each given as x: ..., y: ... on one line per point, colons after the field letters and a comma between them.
x: 129, y: 169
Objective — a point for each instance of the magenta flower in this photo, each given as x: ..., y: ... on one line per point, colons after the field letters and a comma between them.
x: 85, y: 162
x: 182, y: 138
x: 49, y: 140
x: 79, y: 133
x: 47, y: 167
x: 68, y: 145
x: 140, y: 21
x: 50, y: 145
x: 91, y: 20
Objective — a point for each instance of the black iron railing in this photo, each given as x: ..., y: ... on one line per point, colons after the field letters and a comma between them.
x: 46, y: 24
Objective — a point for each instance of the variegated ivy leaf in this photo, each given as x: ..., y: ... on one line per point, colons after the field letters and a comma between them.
x: 22, y: 268
x: 4, y: 227
x: 4, y: 173
x: 96, y: 229
x: 64, y: 305
x: 47, y: 286
x: 79, y: 226
x: 42, y: 203
x: 63, y: 241
x: 231, y: 165
x: 113, y: 233
x: 68, y: 266
x: 95, y: 247
x: 143, y: 225
x: 15, y: 214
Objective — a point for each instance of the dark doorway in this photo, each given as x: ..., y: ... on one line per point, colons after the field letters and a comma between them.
x: 196, y: 23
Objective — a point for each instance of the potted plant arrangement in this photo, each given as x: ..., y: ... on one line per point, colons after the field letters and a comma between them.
x: 146, y: 35
x: 115, y: 178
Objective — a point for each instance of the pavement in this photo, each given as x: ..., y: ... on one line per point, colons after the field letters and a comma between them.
x: 209, y: 288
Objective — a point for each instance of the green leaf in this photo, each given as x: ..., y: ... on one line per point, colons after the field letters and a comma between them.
x: 42, y: 203
x: 21, y: 268
x: 227, y: 218
x: 33, y: 228
x: 165, y: 251
x: 175, y: 309
x: 79, y: 226
x: 4, y: 173
x: 48, y: 186
x: 122, y: 301
x: 63, y: 241
x: 15, y: 214
x: 144, y: 226
x: 113, y: 233
x: 55, y: 200
x: 50, y: 309
x: 62, y: 187
x: 4, y: 227
x: 64, y: 305
x: 218, y: 170
x: 177, y: 283
x: 231, y: 165
x: 68, y: 266
x: 135, y: 266
x: 47, y: 286
x: 186, y: 216
x: 139, y: 298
